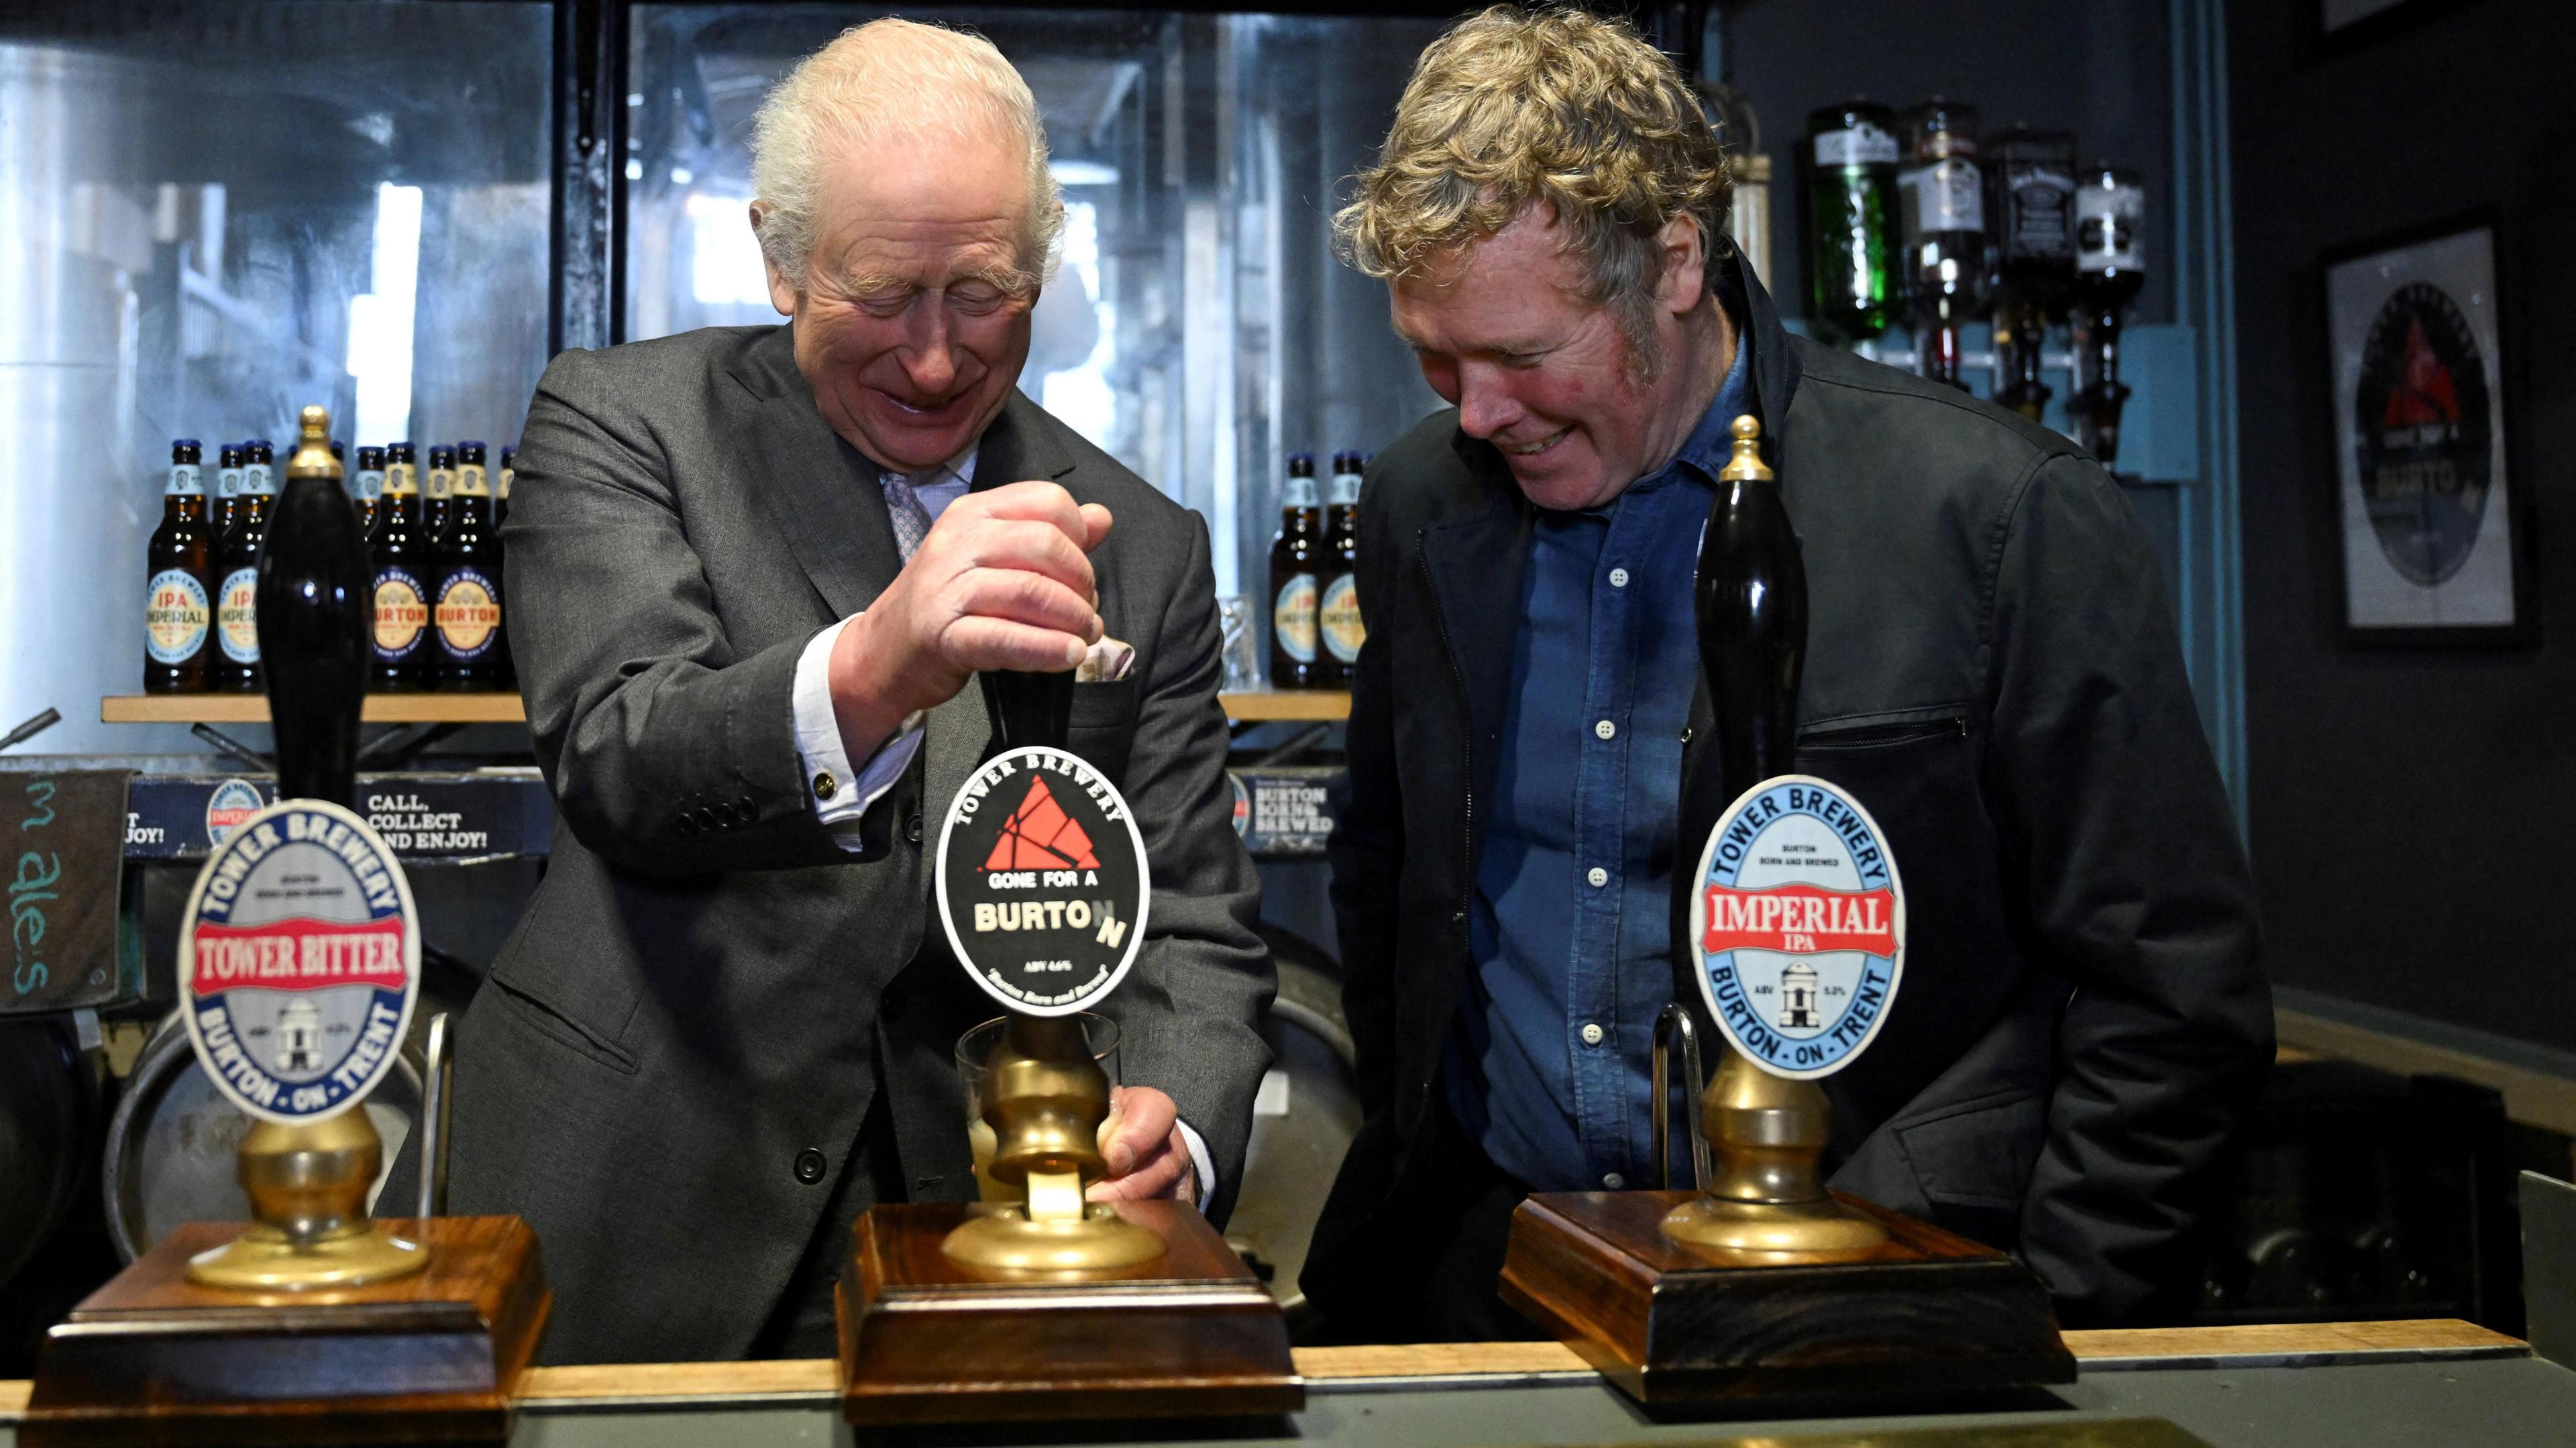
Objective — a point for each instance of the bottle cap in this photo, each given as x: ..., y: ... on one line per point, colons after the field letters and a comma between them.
x: 1301, y: 465
x: 1746, y: 466
x: 371, y: 458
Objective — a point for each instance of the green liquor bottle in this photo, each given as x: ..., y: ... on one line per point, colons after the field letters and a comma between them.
x: 1849, y: 163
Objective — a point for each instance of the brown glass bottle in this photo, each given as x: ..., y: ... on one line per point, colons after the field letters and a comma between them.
x: 1338, y: 608
x: 233, y: 664
x: 400, y: 582
x: 313, y: 623
x: 228, y: 481
x: 1751, y: 601
x: 501, y: 480
x: 1296, y: 646
x: 437, y: 494
x: 467, y: 620
x: 178, y: 593
x: 366, y: 486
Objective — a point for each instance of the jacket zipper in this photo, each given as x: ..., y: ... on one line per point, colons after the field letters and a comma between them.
x: 1870, y: 736
x: 1467, y: 833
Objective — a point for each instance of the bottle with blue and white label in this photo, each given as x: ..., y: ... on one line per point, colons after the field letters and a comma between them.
x: 1296, y: 604
x: 177, y: 616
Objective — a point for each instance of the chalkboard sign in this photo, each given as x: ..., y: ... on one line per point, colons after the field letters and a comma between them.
x: 62, y: 838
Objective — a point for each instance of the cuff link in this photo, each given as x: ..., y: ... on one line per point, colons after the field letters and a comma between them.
x: 826, y: 784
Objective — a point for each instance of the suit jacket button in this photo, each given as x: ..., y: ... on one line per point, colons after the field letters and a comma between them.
x: 750, y: 812
x: 826, y: 784
x: 705, y: 817
x: 725, y: 815
x: 912, y: 829
x: 809, y: 1166
x: 688, y: 826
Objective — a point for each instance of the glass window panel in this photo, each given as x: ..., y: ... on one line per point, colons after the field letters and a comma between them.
x: 1198, y: 328
x: 214, y: 214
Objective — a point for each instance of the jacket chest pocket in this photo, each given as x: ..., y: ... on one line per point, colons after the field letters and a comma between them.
x: 1103, y: 729
x: 1918, y: 773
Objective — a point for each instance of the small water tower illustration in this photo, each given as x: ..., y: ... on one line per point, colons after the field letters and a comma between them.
x: 1798, y: 997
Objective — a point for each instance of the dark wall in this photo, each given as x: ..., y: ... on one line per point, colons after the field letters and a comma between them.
x: 2410, y: 810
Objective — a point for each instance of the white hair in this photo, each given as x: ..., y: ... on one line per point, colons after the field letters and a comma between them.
x: 894, y: 78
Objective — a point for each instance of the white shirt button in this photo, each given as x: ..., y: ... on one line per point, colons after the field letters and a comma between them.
x: 1598, y: 876
x: 1605, y: 730
x: 1618, y: 578
x: 1591, y: 1034
x: 1614, y: 1181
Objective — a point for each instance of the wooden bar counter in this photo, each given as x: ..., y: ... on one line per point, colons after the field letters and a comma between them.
x: 2335, y: 1385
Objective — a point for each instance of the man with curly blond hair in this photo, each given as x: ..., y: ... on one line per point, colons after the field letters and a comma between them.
x: 1992, y: 669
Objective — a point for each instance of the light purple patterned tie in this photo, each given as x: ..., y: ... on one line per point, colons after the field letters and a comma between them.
x: 903, y: 505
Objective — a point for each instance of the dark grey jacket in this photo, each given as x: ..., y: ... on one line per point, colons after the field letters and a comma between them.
x: 1992, y: 669
x: 707, y: 985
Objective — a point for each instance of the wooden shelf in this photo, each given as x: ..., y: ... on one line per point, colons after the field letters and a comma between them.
x: 1301, y: 704
x: 1315, y: 704
x: 253, y: 709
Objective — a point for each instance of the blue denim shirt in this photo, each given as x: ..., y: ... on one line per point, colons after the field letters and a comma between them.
x: 1570, y: 927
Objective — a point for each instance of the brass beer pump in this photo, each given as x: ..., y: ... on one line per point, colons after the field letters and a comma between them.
x: 1046, y: 1097
x: 308, y: 1183
x: 1761, y: 1287
x: 1765, y: 1132
x: 1046, y: 1103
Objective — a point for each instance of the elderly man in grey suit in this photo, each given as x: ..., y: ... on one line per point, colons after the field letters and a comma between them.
x: 752, y: 572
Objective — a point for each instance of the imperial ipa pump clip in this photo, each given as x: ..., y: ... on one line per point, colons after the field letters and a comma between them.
x: 299, y: 953
x: 1798, y: 918
x: 1042, y: 886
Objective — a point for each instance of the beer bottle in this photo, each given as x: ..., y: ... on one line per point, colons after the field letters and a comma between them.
x: 2110, y: 268
x: 2030, y: 178
x: 259, y: 475
x: 313, y: 613
x: 1339, y: 610
x: 398, y: 587
x: 1294, y: 559
x: 228, y: 482
x: 235, y: 661
x: 468, y: 616
x: 1750, y: 599
x: 1850, y: 218
x: 501, y: 515
x: 1942, y: 197
x: 368, y: 487
x: 437, y: 491
x: 178, y: 562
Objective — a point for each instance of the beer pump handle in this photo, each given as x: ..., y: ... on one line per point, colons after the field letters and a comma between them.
x: 1029, y: 708
x: 312, y: 616
x: 1750, y: 599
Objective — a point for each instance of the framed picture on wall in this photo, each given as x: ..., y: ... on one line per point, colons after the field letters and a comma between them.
x: 2431, y: 524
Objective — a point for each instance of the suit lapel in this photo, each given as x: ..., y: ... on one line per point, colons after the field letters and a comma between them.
x: 821, y: 491
x: 1020, y: 446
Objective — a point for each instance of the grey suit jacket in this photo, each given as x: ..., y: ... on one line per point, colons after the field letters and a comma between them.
x: 707, y: 986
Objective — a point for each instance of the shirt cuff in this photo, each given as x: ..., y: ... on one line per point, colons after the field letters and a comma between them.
x: 1199, y: 1162
x: 841, y: 795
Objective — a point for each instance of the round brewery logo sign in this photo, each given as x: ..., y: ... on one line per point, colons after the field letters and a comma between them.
x: 298, y: 961
x: 1042, y: 881
x: 2420, y: 445
x: 1800, y: 926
